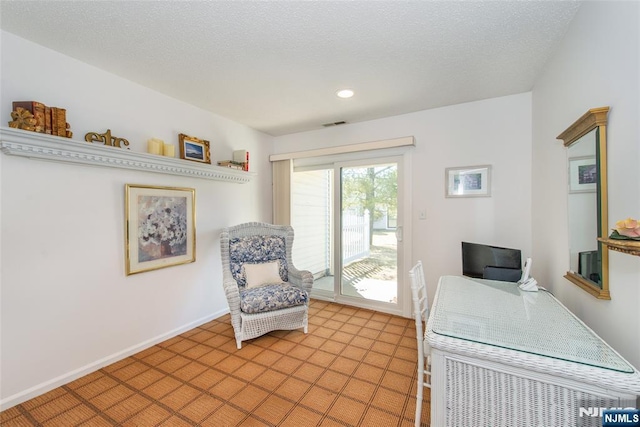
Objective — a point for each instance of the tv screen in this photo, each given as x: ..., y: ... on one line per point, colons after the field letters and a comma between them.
x: 475, y: 257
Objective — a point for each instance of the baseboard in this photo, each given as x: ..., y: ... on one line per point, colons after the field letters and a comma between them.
x: 46, y: 386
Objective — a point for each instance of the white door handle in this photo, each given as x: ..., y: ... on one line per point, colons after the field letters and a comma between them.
x: 399, y: 233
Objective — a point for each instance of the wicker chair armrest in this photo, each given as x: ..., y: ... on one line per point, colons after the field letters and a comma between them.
x: 232, y: 292
x: 300, y: 278
x: 229, y: 284
x: 233, y: 298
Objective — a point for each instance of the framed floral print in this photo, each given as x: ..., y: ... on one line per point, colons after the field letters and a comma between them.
x: 160, y: 228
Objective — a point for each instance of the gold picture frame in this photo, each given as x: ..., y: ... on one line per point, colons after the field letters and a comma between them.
x: 160, y: 227
x: 192, y: 148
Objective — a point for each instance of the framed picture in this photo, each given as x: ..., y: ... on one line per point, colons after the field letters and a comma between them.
x: 583, y: 174
x: 194, y: 149
x: 160, y: 227
x: 469, y: 181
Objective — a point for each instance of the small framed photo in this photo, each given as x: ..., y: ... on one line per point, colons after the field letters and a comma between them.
x: 160, y: 228
x: 583, y: 174
x: 194, y: 149
x: 469, y: 181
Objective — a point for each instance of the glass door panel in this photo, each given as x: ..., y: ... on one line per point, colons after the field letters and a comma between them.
x: 369, y: 248
x: 347, y: 221
x: 312, y: 220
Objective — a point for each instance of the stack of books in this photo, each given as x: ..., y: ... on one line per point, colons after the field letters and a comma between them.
x: 231, y: 164
x: 49, y: 120
x: 240, y: 161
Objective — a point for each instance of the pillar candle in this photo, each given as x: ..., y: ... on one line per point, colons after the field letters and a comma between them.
x: 169, y: 150
x: 154, y: 146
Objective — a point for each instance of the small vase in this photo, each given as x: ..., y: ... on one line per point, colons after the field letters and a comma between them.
x: 165, y: 249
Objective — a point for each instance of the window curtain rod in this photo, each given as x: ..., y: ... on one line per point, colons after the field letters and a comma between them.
x: 364, y: 146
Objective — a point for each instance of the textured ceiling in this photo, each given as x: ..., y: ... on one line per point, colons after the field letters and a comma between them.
x: 275, y: 66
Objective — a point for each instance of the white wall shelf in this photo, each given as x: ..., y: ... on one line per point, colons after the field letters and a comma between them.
x: 34, y: 145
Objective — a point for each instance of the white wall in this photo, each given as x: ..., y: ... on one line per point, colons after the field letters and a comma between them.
x: 67, y: 306
x: 595, y: 66
x: 496, y: 132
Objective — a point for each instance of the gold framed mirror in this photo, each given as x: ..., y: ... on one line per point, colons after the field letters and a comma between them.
x: 586, y: 142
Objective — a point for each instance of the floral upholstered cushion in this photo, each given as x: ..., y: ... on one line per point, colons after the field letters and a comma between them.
x: 271, y: 297
x: 254, y: 250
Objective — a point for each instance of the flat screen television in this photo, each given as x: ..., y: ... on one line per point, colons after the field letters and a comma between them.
x: 475, y: 257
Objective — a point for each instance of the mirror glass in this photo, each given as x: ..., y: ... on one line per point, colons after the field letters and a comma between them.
x: 586, y: 143
x: 584, y: 257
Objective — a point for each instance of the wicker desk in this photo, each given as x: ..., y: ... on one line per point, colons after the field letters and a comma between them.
x: 504, y: 357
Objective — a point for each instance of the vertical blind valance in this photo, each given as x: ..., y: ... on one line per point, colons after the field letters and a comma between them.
x: 283, y: 166
x: 342, y: 149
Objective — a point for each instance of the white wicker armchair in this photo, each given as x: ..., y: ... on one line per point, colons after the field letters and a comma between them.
x: 256, y: 311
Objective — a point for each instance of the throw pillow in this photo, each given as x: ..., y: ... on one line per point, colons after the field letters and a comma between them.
x: 262, y: 273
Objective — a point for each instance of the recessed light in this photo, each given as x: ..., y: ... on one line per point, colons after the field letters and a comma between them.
x: 345, y: 93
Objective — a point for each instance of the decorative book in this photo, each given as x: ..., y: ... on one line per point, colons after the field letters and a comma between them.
x: 35, y: 108
x: 49, y: 120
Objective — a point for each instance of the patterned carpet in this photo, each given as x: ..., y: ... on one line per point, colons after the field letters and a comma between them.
x: 356, y: 367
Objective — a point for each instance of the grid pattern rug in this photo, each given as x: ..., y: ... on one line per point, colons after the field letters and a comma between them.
x: 355, y: 367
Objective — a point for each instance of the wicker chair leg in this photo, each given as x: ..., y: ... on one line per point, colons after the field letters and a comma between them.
x: 419, y: 395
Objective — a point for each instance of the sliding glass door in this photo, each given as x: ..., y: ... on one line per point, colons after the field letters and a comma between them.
x: 345, y: 216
